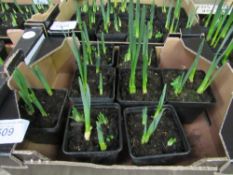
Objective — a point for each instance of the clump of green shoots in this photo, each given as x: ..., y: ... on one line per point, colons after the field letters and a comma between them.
x: 102, y: 120
x: 134, y: 48
x: 27, y: 94
x: 148, y: 131
x: 117, y: 22
x: 123, y: 6
x: 176, y: 17
x: 211, y: 73
x: 222, y: 29
x: 179, y: 83
x: 207, y: 21
x: 105, y: 15
x: 40, y: 76
x: 84, y: 87
x: 76, y: 115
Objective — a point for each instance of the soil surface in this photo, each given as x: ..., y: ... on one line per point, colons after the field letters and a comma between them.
x: 52, y: 105
x: 75, y: 135
x: 189, y: 93
x: 154, y: 86
x: 105, y: 59
x: 123, y: 51
x: 93, y: 82
x: 157, y: 144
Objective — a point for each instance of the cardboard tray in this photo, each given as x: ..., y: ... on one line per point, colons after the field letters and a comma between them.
x: 208, y: 154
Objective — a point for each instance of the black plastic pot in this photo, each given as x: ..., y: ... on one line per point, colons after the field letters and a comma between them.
x: 123, y: 48
x: 160, y: 158
x: 189, y: 110
x: 47, y: 135
x: 123, y: 89
x: 3, y: 52
x: 3, y: 87
x: 95, y: 156
x: 109, y: 83
x: 116, y: 36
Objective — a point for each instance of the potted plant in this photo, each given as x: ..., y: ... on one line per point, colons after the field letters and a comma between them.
x: 188, y: 90
x: 44, y: 108
x: 93, y: 132
x: 138, y: 86
x: 13, y: 15
x: 114, y: 26
x: 101, y: 79
x: 145, y: 126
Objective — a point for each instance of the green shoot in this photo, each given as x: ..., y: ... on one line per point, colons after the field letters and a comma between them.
x: 14, y: 23
x: 220, y: 26
x: 158, y: 35
x: 95, y: 7
x: 117, y: 23
x: 86, y: 100
x: 225, y: 29
x: 1, y: 61
x: 115, y: 2
x: 148, y: 132
x: 27, y: 94
x: 210, y: 15
x: 161, y: 101
x: 78, y: 18
x: 123, y: 6
x: 34, y: 8
x: 164, y: 10
x: 176, y: 16
x: 105, y: 15
x: 191, y: 18
x: 215, y: 20
x: 40, y: 76
x: 85, y: 6
x: 98, y: 55
x: 103, y: 44
x: 82, y: 67
x: 228, y: 51
x: 171, y: 141
x: 18, y: 7
x: 76, y: 115
x: 145, y: 58
x: 102, y: 119
x: 101, y: 141
x: 100, y: 87
x: 196, y: 60
x: 211, y: 74
x: 137, y: 20
x: 168, y: 17
x: 151, y: 21
x: 179, y: 83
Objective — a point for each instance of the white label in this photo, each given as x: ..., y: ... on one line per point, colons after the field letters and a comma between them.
x: 207, y: 8
x: 40, y: 1
x: 13, y: 131
x: 63, y: 25
x: 29, y: 35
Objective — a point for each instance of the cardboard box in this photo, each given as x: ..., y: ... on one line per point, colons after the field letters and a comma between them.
x: 208, y: 154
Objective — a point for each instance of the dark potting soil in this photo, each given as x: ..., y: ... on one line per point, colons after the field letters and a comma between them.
x: 123, y: 50
x: 158, y: 142
x: 154, y: 86
x: 93, y: 82
x: 75, y: 135
x: 189, y: 93
x: 52, y: 105
x: 111, y: 29
x: 105, y: 59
